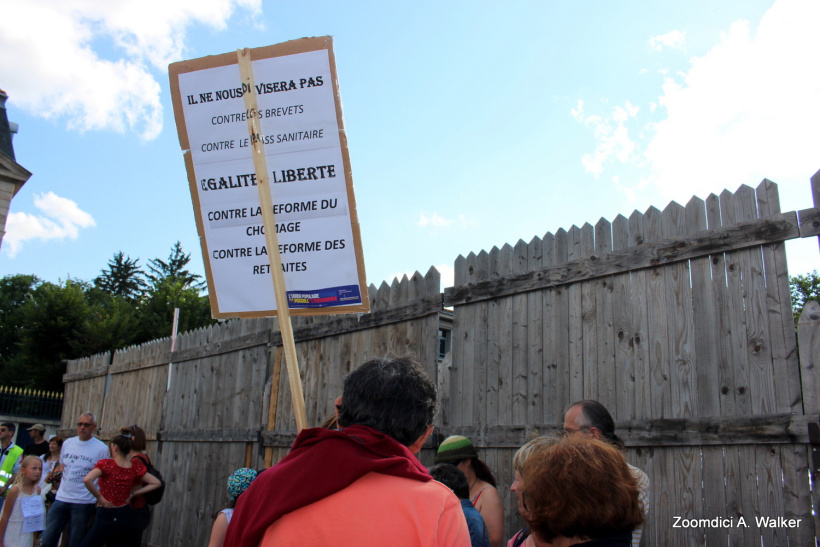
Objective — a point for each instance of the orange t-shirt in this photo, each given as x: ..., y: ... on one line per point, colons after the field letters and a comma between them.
x: 376, y: 510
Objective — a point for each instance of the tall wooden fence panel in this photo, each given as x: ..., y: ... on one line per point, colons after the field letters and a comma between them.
x: 679, y: 321
x: 86, y: 378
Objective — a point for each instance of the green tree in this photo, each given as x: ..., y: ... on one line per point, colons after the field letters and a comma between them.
x: 804, y: 288
x: 123, y: 277
x: 112, y: 323
x: 14, y: 290
x: 157, y: 308
x: 174, y: 269
x: 52, y: 319
x: 43, y: 324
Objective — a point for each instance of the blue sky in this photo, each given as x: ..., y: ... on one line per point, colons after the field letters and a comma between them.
x: 470, y: 124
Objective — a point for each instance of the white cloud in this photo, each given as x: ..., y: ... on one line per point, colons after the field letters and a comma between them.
x: 61, y: 218
x: 448, y: 274
x: 433, y: 219
x: 673, y: 39
x: 59, y: 70
x: 746, y: 109
x: 611, y: 135
x: 749, y: 106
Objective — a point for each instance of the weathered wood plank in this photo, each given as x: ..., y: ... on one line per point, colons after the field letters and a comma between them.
x: 481, y: 343
x: 604, y: 324
x: 444, y: 389
x: 463, y: 349
x: 538, y: 302
x: 769, y: 476
x: 210, y: 435
x: 86, y: 374
x: 575, y: 320
x: 430, y: 324
x: 658, y: 326
x: 679, y: 309
x: 798, y: 495
x: 501, y: 366
x: 589, y: 323
x: 809, y: 222
x: 639, y: 341
x: 736, y: 236
x: 664, y: 499
x: 778, y: 304
x: 559, y: 330
x: 776, y: 429
x: 623, y: 380
x: 725, y: 374
x: 758, y: 344
x: 518, y: 365
x: 704, y: 322
x: 714, y: 493
x: 732, y: 212
x: 808, y: 329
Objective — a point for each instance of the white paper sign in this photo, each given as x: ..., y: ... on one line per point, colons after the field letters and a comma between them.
x: 33, y: 513
x: 312, y: 195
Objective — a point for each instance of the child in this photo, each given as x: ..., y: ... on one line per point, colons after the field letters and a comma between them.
x: 238, y: 482
x: 25, y: 492
x: 453, y: 478
x: 114, y: 524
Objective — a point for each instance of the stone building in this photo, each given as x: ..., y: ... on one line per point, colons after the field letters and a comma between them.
x: 12, y: 175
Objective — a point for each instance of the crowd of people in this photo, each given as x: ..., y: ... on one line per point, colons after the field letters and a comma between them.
x: 75, y: 492
x: 355, y: 481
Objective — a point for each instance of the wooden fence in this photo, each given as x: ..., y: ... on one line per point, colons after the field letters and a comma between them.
x: 679, y: 321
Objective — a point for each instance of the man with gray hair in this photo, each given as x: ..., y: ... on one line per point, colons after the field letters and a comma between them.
x: 591, y: 419
x: 74, y: 505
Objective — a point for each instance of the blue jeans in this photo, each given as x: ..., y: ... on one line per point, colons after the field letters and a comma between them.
x: 75, y: 515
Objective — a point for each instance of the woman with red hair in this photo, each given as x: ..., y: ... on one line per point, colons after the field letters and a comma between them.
x: 578, y: 491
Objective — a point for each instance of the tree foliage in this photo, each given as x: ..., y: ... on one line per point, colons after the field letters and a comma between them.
x: 14, y: 290
x: 804, y: 288
x: 42, y: 324
x: 157, y: 310
x: 122, y: 278
x: 174, y: 268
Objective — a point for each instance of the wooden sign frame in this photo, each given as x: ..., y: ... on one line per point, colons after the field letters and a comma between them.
x: 293, y: 47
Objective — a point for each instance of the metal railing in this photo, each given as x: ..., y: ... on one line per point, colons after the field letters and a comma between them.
x: 30, y: 403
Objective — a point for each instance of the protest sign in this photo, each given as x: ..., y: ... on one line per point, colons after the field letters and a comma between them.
x: 302, y: 138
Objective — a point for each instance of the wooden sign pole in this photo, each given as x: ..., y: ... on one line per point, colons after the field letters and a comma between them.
x: 272, y: 240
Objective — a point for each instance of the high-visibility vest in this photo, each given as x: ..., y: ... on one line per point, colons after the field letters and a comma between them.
x: 13, y: 454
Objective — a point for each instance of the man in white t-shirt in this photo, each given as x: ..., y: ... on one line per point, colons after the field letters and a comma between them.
x: 74, y: 504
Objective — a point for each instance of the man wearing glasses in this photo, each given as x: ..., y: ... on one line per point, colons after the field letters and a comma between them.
x: 9, y: 458
x: 592, y: 420
x: 74, y: 504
